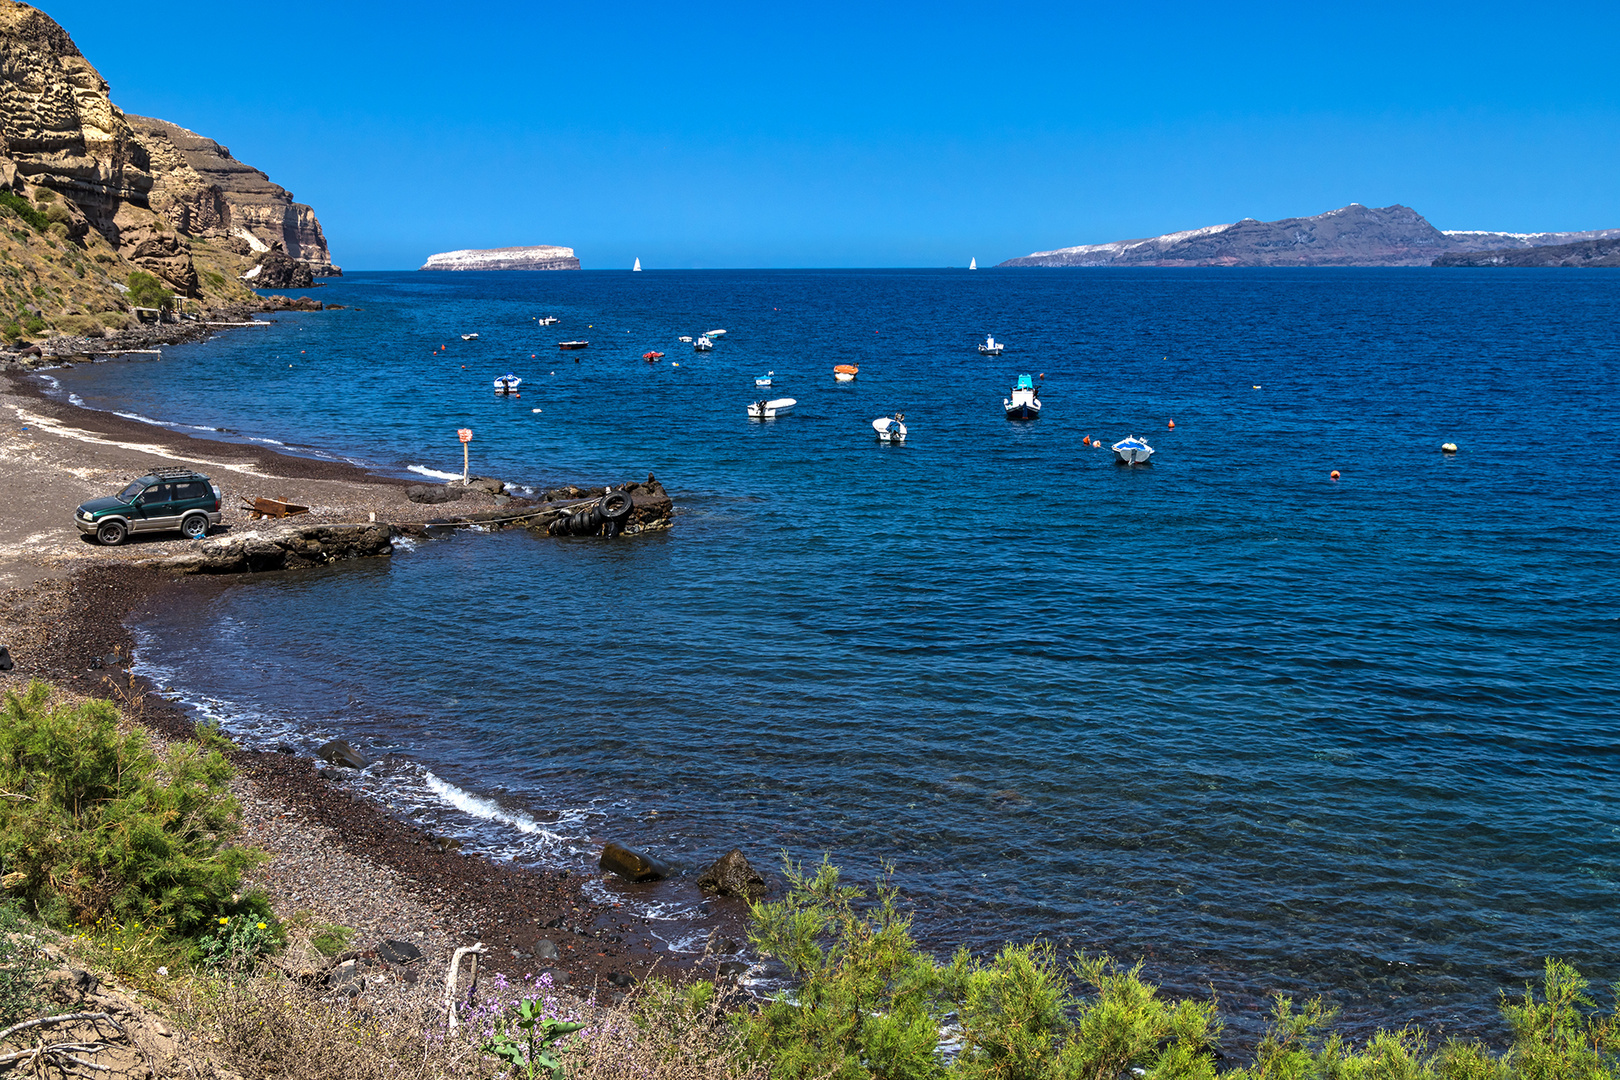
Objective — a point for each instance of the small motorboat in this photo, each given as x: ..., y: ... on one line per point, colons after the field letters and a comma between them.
x: 507, y: 384
x: 1132, y: 451
x: 765, y: 379
x: 1025, y: 403
x: 548, y: 320
x: 991, y: 346
x: 845, y: 372
x: 469, y: 337
x: 890, y: 429
x: 703, y: 344
x: 715, y: 333
x: 572, y: 344
x: 686, y: 338
x: 769, y: 410
x: 652, y: 357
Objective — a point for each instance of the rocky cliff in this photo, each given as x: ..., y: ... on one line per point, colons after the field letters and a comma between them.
x: 1355, y: 235
x: 540, y: 257
x: 1604, y: 252
x: 90, y: 194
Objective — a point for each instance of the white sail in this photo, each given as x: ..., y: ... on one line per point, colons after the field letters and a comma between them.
x: 638, y: 263
x: 973, y: 263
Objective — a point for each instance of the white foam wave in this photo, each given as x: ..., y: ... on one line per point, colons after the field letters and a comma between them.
x: 479, y: 807
x: 55, y: 383
x: 142, y: 419
x: 270, y: 442
x: 75, y: 399
x: 425, y: 471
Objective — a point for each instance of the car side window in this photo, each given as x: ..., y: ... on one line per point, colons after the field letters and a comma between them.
x: 191, y: 489
x: 157, y: 493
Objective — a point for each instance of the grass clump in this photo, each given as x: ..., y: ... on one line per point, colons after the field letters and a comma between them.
x: 96, y: 824
x: 25, y: 210
x: 146, y: 290
x: 22, y: 965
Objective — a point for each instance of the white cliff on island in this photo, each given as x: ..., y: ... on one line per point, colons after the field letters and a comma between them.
x: 540, y: 257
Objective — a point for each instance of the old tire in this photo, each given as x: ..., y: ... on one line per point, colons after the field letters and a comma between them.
x: 615, y: 506
x: 195, y: 526
x: 112, y: 533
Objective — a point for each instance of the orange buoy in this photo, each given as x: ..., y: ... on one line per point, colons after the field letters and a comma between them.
x: 1172, y: 423
x: 1334, y: 475
x: 1086, y: 441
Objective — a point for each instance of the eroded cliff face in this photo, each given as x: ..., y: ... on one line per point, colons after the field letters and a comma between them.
x: 161, y: 197
x: 205, y: 191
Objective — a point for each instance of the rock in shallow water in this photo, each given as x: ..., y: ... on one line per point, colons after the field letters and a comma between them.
x: 632, y: 865
x: 732, y: 875
x: 341, y: 753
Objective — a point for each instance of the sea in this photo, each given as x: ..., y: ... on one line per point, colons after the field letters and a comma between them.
x: 1304, y: 706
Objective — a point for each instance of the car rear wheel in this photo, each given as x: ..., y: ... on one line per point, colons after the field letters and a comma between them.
x: 112, y: 534
x: 195, y: 527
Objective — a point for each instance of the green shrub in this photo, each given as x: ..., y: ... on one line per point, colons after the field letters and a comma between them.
x: 23, y: 209
x: 44, y: 196
x: 146, y: 290
x: 97, y: 824
x: 331, y: 939
x: 1559, y: 1035
x: 58, y: 212
x: 867, y: 1001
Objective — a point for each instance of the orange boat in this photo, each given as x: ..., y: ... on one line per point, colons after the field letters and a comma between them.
x: 845, y: 372
x: 652, y: 357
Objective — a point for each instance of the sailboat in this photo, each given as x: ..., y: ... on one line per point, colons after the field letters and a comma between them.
x: 973, y: 263
x: 638, y: 263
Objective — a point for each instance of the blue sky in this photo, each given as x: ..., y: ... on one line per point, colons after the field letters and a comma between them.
x: 876, y: 134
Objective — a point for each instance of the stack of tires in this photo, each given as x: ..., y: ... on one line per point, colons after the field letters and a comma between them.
x: 609, y: 514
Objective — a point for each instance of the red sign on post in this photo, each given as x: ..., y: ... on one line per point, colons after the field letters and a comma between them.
x: 464, y: 434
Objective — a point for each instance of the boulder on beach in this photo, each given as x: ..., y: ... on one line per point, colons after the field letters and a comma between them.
x: 434, y: 493
x: 341, y: 753
x: 732, y: 875
x: 481, y: 483
x: 632, y: 865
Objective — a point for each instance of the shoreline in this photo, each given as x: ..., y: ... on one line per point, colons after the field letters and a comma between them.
x: 64, y: 606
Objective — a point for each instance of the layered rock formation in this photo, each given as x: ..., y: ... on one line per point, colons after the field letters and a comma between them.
x: 1603, y: 252
x: 204, y: 191
x: 542, y: 257
x: 150, y: 190
x: 1355, y: 235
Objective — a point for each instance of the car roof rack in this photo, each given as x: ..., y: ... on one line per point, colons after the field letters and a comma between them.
x: 170, y: 470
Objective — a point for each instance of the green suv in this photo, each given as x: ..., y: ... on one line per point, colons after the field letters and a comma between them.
x: 163, y: 499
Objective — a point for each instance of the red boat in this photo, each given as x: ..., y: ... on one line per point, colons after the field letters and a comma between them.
x: 652, y: 357
x: 572, y: 344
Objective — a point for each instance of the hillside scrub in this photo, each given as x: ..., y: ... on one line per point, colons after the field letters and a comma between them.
x: 94, y: 823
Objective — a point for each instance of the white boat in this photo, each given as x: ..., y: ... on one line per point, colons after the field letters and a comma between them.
x: 548, y: 320
x: 716, y: 333
x: 638, y: 264
x: 890, y: 429
x: 1132, y: 451
x: 686, y: 338
x: 991, y: 346
x: 973, y: 264
x: 768, y: 410
x: 1025, y: 403
x: 469, y: 337
x: 703, y: 344
x: 507, y: 384
x: 765, y: 379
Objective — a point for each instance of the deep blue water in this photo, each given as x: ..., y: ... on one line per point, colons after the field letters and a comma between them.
x: 1265, y: 729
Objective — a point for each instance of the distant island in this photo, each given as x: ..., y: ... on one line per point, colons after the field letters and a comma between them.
x: 540, y: 257
x: 1602, y: 252
x: 1355, y: 235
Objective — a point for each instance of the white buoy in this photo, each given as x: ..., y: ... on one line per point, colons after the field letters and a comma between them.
x: 1448, y: 448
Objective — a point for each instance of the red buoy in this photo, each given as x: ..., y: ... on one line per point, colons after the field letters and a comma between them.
x: 1334, y: 475
x: 1172, y: 423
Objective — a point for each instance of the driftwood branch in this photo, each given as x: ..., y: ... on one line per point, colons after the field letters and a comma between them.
x: 64, y: 1018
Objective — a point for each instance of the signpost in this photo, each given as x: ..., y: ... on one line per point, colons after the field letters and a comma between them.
x: 465, y: 435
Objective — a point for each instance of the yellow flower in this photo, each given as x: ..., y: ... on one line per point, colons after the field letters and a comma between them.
x: 223, y: 919
x: 263, y: 927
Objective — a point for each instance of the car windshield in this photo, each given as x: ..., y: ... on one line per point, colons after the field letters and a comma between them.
x: 134, y: 489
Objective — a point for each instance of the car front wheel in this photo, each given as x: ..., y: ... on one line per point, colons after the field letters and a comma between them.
x: 112, y: 534
x: 195, y: 527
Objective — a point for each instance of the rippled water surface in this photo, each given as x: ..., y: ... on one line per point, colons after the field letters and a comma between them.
x: 1267, y: 730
